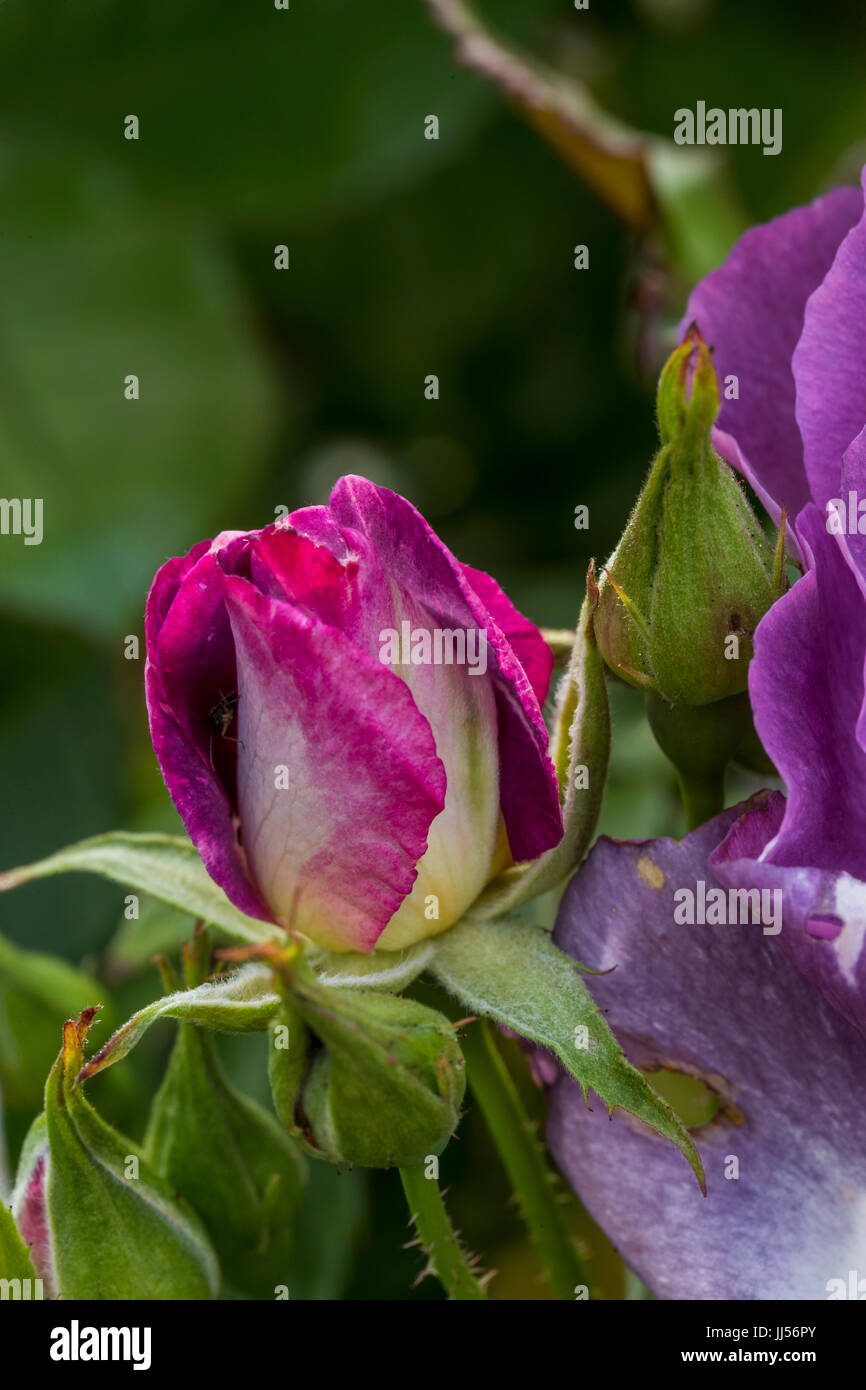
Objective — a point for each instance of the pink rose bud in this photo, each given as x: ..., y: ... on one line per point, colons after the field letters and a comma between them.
x: 348, y: 720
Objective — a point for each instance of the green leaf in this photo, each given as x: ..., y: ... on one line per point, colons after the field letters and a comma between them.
x: 167, y: 866
x: 580, y: 749
x: 231, y: 1161
x: 513, y: 973
x: 15, y: 1262
x: 242, y: 1002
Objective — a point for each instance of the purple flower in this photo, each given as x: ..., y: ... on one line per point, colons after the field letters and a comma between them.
x: 772, y: 1020
x: 720, y: 999
x: 348, y: 720
x: 786, y: 315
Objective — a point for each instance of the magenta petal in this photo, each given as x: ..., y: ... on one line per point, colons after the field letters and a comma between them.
x: 164, y: 589
x: 751, y: 312
x: 190, y: 658
x: 824, y: 912
x: 527, y: 643
x: 358, y: 596
x: 202, y: 804
x: 415, y: 558
x: 30, y: 1213
x: 785, y: 1157
x: 828, y: 365
x: 334, y: 853
x: 321, y: 582
x: 806, y: 688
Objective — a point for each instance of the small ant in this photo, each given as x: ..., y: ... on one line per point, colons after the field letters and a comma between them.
x: 220, y: 719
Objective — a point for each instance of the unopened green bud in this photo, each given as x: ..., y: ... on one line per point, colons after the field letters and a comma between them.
x: 365, y: 1077
x: 693, y: 573
x: 99, y: 1222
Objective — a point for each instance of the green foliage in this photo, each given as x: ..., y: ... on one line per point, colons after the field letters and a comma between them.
x: 166, y: 866
x: 511, y: 972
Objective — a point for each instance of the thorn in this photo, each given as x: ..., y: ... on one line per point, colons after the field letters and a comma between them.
x: 428, y: 1269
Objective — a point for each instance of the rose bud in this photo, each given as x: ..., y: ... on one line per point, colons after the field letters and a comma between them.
x: 339, y: 1056
x: 348, y: 721
x: 685, y: 589
x: 693, y: 575
x: 99, y: 1222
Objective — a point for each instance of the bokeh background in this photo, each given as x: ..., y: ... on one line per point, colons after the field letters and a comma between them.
x: 259, y: 387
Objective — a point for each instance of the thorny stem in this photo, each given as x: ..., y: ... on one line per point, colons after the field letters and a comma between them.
x: 523, y: 1158
x: 446, y: 1257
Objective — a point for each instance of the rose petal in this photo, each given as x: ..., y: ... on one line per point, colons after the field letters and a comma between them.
x: 723, y: 1003
x: 751, y: 312
x: 335, y: 853
x: 823, y: 912
x: 828, y: 365
x: 806, y: 688
x: 527, y: 643
x: 360, y: 598
x: 190, y: 660
x: 416, y: 560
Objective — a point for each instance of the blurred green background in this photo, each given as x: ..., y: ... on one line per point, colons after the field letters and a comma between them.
x: 258, y: 387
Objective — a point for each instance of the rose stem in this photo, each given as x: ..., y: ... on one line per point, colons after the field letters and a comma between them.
x: 523, y: 1158
x: 440, y: 1242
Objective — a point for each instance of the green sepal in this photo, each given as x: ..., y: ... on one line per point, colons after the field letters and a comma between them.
x: 289, y: 1056
x: 15, y: 1261
x: 241, y: 1002
x: 512, y: 972
x: 580, y: 750
x: 389, y: 971
x: 230, y: 1160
